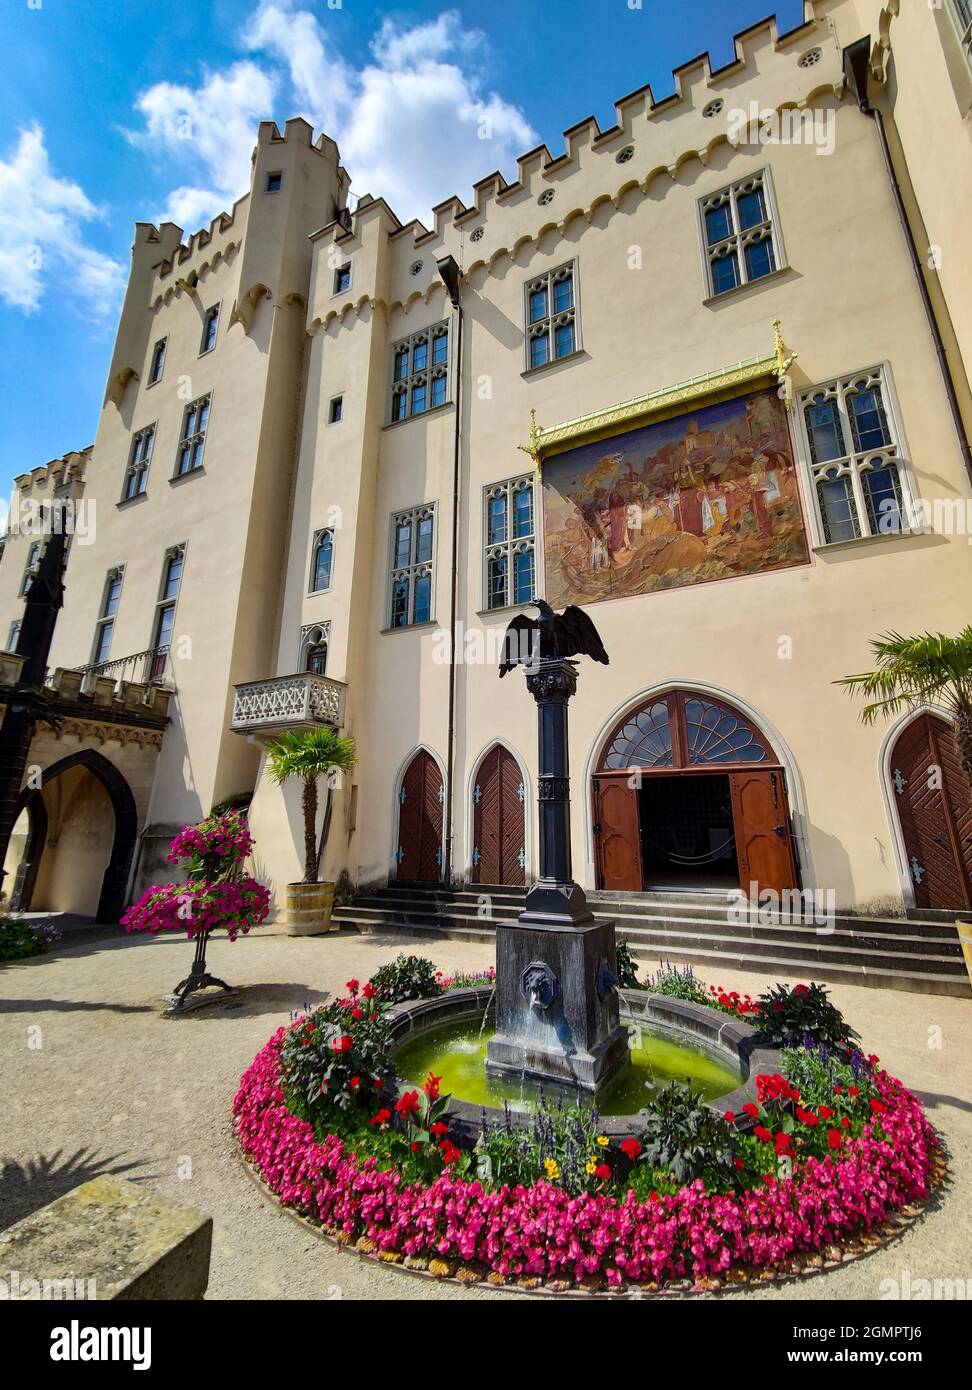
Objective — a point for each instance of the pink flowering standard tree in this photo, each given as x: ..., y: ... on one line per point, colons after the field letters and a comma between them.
x: 216, y: 896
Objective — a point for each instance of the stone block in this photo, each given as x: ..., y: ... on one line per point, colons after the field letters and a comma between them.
x: 112, y: 1239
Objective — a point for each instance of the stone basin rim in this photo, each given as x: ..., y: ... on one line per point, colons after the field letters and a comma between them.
x: 724, y: 1038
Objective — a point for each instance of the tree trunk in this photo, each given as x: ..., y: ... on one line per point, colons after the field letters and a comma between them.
x: 325, y: 827
x: 963, y: 739
x: 310, y: 830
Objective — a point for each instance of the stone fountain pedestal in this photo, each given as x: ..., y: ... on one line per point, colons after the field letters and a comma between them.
x: 556, y: 981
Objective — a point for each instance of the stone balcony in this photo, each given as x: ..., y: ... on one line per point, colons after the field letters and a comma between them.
x: 301, y: 701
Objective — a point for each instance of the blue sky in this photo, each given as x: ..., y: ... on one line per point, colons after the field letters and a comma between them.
x: 97, y: 99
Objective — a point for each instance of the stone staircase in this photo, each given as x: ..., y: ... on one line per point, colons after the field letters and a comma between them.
x: 919, y: 953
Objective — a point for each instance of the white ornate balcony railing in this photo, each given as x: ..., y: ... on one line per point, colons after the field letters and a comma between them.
x: 288, y: 702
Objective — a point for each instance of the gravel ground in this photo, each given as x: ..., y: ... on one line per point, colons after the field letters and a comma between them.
x: 107, y: 1086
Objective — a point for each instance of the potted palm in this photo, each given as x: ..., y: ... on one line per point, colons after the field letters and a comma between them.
x: 924, y: 670
x: 309, y: 755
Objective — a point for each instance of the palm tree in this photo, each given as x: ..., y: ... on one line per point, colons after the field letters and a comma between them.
x: 310, y: 754
x: 914, y: 671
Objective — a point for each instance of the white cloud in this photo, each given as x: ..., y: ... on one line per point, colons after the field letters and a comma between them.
x: 414, y: 126
x: 41, y: 236
x: 209, y: 130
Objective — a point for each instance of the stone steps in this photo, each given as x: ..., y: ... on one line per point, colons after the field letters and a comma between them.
x: 695, y: 929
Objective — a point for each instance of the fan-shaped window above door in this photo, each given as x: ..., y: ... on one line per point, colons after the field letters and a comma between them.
x: 683, y: 729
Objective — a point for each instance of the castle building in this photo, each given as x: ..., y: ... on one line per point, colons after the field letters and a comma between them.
x: 704, y: 373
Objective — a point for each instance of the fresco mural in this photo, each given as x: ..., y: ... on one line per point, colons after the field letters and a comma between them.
x: 706, y: 495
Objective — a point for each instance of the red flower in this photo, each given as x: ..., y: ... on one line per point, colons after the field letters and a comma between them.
x: 449, y: 1151
x: 602, y: 1172
x: 407, y: 1104
x: 355, y: 1082
x: 415, y: 1146
x: 853, y: 1091
x: 357, y: 1015
x: 800, y: 989
x: 352, y: 987
x: 369, y: 991
x: 845, y: 1122
x: 751, y: 1109
x: 763, y: 1134
x: 381, y: 1118
x: 631, y: 1148
x: 834, y: 1138
x: 807, y: 1117
x: 730, y: 1115
x: 431, y: 1086
x: 737, y: 1161
x: 438, y: 1129
x: 838, y: 1090
x: 826, y: 1113
x: 878, y: 1107
x: 783, y: 1144
x: 777, y: 1007
x: 343, y: 1043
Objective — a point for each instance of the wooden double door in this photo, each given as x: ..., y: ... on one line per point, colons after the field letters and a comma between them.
x: 934, y: 806
x: 499, y: 848
x: 420, y: 806
x: 760, y: 827
x: 686, y: 734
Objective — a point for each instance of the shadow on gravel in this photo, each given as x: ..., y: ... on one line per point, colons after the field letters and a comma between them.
x: 935, y: 1101
x: 25, y: 1188
x: 254, y: 1000
x: 69, y: 1006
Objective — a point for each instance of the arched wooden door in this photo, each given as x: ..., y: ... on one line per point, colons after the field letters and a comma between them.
x: 420, y: 802
x: 934, y: 809
x: 690, y: 739
x: 499, y: 848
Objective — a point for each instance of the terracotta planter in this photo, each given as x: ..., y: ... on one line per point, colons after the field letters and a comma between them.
x: 308, y: 910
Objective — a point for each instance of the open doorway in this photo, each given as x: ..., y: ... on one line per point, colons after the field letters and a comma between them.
x: 687, y: 834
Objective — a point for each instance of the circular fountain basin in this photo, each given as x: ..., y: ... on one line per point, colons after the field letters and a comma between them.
x: 671, y: 1039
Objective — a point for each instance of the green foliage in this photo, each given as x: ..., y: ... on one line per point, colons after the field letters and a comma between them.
x: 677, y: 984
x: 560, y: 1144
x: 912, y: 671
x: 627, y: 970
x: 336, y: 1058
x: 406, y: 977
x: 684, y: 1138
x: 309, y: 754
x: 820, y: 1074
x: 19, y: 940
x: 803, y: 1014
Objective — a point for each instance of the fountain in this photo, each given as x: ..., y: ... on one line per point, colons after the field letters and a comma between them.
x: 557, y: 1015
x: 560, y: 1022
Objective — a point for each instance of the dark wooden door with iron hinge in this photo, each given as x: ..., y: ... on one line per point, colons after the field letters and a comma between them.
x: 934, y: 808
x: 421, y: 798
x: 499, y: 851
x: 761, y: 819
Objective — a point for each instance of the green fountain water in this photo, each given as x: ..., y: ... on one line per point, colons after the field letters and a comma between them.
x: 457, y: 1053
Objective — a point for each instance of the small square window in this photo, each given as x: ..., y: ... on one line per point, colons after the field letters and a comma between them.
x: 342, y: 278
x: 335, y: 410
x: 274, y: 181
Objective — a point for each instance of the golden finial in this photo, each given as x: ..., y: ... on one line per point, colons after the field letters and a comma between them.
x: 536, y: 434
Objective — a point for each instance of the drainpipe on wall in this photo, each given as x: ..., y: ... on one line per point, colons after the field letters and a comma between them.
x: 448, y: 268
x: 856, y: 65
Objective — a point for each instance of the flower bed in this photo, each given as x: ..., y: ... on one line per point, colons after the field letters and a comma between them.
x: 541, y: 1233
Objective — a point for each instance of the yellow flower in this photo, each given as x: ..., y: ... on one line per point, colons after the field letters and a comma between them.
x: 591, y: 1166
x: 603, y: 1140
x: 553, y: 1171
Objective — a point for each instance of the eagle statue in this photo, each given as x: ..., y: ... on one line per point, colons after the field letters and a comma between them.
x: 570, y: 633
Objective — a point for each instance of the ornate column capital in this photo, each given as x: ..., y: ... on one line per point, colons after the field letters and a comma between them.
x: 552, y: 681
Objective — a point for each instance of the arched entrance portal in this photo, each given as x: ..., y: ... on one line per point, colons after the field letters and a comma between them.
x: 934, y: 807
x: 499, y: 846
x: 688, y: 793
x: 420, y: 800
x: 82, y: 828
